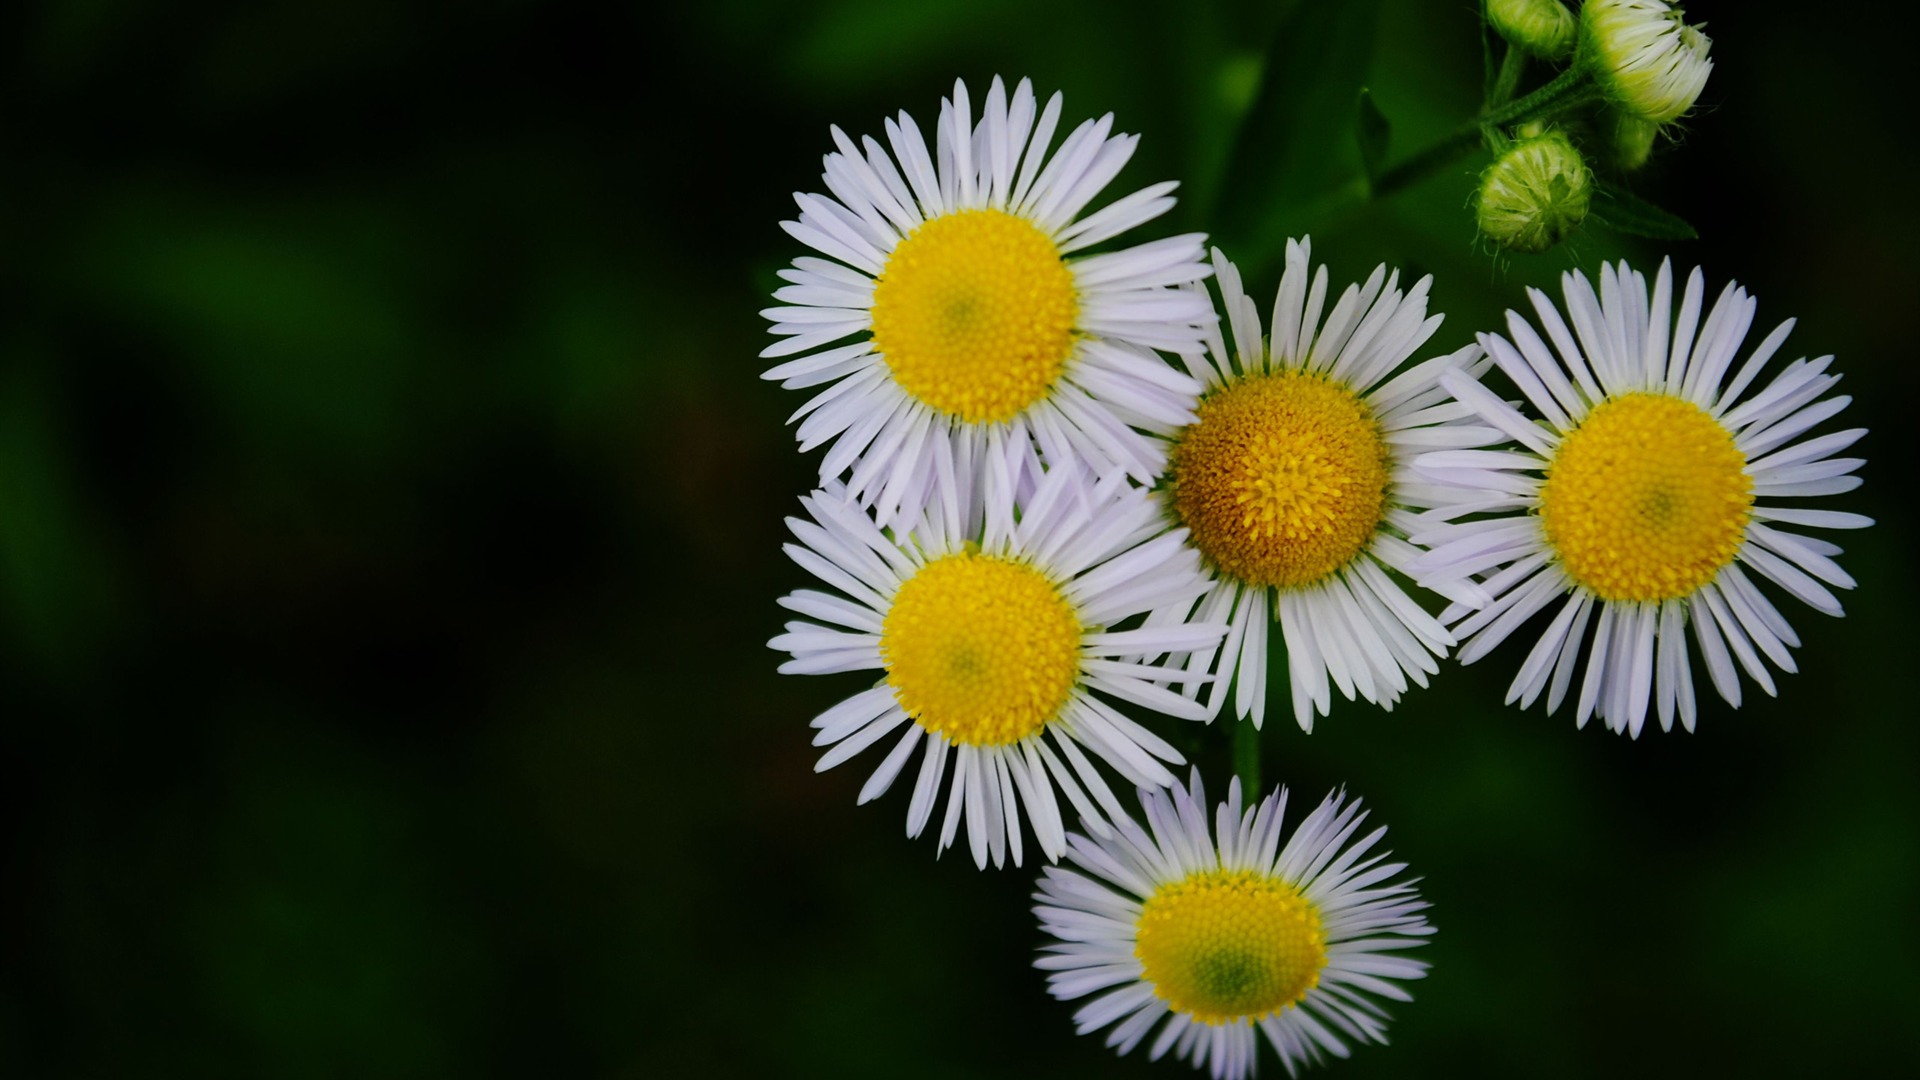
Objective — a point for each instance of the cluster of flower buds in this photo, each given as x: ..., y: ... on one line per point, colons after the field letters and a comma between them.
x: 1633, y: 69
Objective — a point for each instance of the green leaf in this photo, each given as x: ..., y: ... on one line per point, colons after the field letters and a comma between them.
x: 1295, y: 150
x: 1625, y: 212
x: 1371, y: 131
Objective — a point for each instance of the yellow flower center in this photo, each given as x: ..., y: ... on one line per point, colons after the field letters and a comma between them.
x: 1282, y: 479
x: 1224, y: 945
x: 1647, y: 499
x: 981, y: 648
x: 974, y: 314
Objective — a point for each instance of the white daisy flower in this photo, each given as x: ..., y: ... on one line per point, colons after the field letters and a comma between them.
x: 978, y: 324
x: 992, y: 620
x: 1295, y: 940
x: 1649, y: 62
x: 1293, y: 481
x: 1645, y: 497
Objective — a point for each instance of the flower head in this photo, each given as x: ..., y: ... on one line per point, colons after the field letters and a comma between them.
x: 1293, y: 482
x: 979, y: 321
x: 1534, y: 194
x: 1214, y: 934
x: 991, y: 618
x: 1643, y: 501
x: 1650, y: 62
x: 1544, y: 28
x: 1633, y: 139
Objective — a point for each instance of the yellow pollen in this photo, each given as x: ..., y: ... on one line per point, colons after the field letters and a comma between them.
x: 974, y: 314
x: 981, y: 648
x: 1282, y: 479
x: 1223, y: 945
x: 1647, y: 499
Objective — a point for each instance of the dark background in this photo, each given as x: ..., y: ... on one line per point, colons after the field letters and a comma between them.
x: 390, y: 514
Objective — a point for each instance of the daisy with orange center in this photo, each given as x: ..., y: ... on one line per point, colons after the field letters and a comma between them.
x: 1294, y: 485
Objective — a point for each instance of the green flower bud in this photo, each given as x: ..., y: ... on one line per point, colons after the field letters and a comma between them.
x: 1544, y: 28
x: 1534, y: 194
x: 1650, y: 63
x: 1632, y: 140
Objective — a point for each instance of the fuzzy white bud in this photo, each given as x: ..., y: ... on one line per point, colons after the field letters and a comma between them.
x: 1647, y: 59
x: 1534, y: 194
x: 1544, y: 28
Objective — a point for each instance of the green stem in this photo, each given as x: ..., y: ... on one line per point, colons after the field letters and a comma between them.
x: 1486, y: 55
x: 1462, y: 141
x: 1246, y: 757
x: 1573, y: 88
x: 1512, y: 66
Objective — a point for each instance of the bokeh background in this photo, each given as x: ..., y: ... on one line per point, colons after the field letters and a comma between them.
x: 390, y: 516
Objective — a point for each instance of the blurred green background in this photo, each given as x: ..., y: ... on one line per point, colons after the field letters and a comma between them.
x: 390, y: 514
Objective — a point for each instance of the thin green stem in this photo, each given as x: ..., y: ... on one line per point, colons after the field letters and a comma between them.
x: 1512, y: 66
x: 1573, y: 88
x: 1246, y: 757
x: 1462, y: 141
x: 1486, y: 55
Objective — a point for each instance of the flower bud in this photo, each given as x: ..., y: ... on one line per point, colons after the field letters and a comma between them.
x: 1534, y: 194
x: 1650, y: 63
x: 1544, y: 28
x: 1632, y: 140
